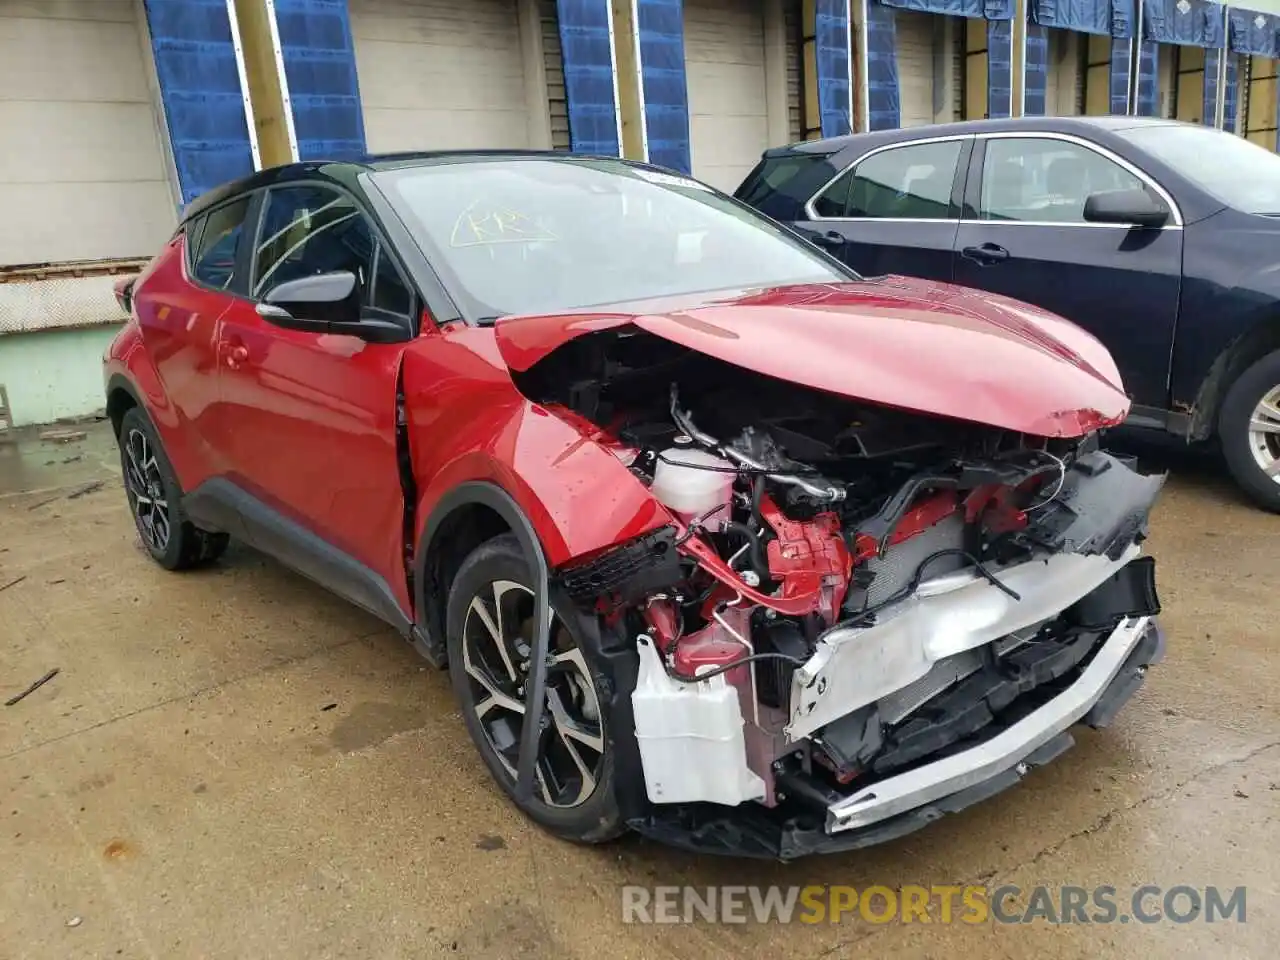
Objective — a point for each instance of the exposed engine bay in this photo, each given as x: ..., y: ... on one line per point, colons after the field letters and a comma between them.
x: 859, y: 611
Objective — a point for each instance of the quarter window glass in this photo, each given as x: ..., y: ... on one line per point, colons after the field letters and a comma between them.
x: 217, y: 240
x: 834, y: 201
x: 1046, y: 181
x: 911, y: 182
x: 308, y: 230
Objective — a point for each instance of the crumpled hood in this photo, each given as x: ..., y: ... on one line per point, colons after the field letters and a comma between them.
x: 912, y: 344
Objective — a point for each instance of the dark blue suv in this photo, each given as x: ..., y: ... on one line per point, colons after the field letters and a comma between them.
x: 1160, y: 238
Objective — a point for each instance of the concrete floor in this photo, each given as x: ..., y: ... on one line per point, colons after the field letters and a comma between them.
x: 232, y: 763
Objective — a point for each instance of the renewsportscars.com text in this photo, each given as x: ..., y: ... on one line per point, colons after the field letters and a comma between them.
x: 972, y: 904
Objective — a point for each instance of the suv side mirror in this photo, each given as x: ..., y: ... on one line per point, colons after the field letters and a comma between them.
x: 326, y: 303
x: 1133, y: 207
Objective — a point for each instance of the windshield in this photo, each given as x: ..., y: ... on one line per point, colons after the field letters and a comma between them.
x: 1241, y: 174
x: 549, y: 235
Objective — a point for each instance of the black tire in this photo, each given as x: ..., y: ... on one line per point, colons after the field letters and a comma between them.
x: 1238, y: 407
x: 594, y: 818
x: 184, y: 545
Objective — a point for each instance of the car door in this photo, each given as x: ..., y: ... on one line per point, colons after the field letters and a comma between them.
x: 895, y: 209
x: 178, y: 306
x: 309, y: 419
x: 1024, y: 235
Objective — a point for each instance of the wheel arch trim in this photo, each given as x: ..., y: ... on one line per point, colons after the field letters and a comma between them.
x: 484, y: 493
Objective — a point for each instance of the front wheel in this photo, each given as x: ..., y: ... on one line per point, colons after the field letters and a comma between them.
x: 1249, y: 431
x: 490, y: 632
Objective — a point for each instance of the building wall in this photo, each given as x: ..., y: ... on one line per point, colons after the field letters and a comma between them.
x: 119, y: 111
x: 216, y: 88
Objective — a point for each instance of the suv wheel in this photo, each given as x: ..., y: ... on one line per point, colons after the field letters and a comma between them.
x: 490, y: 623
x: 1249, y: 431
x: 155, y: 500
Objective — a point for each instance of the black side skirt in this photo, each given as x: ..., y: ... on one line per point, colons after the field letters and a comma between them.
x: 219, y: 504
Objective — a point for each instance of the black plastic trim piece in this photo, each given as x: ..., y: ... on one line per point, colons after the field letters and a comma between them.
x: 1150, y: 649
x: 118, y: 381
x: 498, y: 500
x: 751, y: 830
x: 220, y: 504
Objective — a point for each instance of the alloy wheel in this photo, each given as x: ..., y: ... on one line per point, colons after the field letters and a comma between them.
x: 1264, y: 434
x: 145, y: 489
x: 496, y: 640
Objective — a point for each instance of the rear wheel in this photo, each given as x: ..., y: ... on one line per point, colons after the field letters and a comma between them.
x: 1249, y: 431
x: 155, y: 500
x: 490, y: 633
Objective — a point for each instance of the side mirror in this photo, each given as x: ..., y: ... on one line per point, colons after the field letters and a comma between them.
x: 1133, y: 207
x: 326, y: 303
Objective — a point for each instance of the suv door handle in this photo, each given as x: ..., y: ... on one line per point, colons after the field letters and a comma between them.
x: 830, y: 239
x: 985, y: 255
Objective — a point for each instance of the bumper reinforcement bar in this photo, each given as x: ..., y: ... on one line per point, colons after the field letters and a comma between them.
x: 898, y: 794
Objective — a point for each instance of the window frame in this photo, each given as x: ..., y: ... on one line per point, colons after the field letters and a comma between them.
x: 973, y: 188
x: 193, y: 232
x: 380, y: 245
x: 957, y: 181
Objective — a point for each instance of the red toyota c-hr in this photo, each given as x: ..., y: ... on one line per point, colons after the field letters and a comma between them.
x: 718, y: 540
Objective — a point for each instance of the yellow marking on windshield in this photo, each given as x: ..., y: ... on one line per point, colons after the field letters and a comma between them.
x: 480, y: 224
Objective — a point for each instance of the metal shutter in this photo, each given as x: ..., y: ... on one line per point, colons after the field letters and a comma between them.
x: 84, y: 173
x: 791, y: 19
x: 553, y: 62
x: 724, y: 63
x: 1081, y: 59
x: 1053, y: 71
x: 957, y: 69
x: 438, y: 74
x: 914, y: 33
x: 1165, y: 106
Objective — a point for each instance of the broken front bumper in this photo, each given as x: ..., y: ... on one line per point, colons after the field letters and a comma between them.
x: 900, y: 805
x: 1007, y: 750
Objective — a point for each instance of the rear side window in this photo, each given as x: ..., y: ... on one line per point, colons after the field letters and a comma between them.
x: 911, y: 182
x: 780, y: 186
x: 214, y: 241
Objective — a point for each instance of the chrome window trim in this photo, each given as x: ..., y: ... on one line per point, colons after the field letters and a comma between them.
x: 1102, y: 151
x: 813, y: 215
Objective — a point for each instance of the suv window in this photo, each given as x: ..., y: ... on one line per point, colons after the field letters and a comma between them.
x: 911, y: 182
x: 214, y: 241
x: 1046, y: 181
x: 310, y: 229
x: 773, y: 174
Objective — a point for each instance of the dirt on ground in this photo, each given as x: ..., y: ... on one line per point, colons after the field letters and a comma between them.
x: 233, y: 763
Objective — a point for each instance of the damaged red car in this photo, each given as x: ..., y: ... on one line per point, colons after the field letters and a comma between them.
x: 718, y: 541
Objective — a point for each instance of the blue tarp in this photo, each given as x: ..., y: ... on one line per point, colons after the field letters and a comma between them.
x: 1105, y: 17
x: 1254, y: 32
x: 588, y: 76
x: 831, y: 42
x: 979, y: 9
x: 1195, y: 23
x: 320, y: 67
x: 195, y: 60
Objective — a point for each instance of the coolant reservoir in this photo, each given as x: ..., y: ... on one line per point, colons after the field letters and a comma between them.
x: 692, y: 483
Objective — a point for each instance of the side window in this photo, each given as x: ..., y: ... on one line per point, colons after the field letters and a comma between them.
x: 308, y: 230
x: 311, y: 229
x: 911, y: 182
x: 1046, y: 181
x: 834, y: 201
x: 214, y: 241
